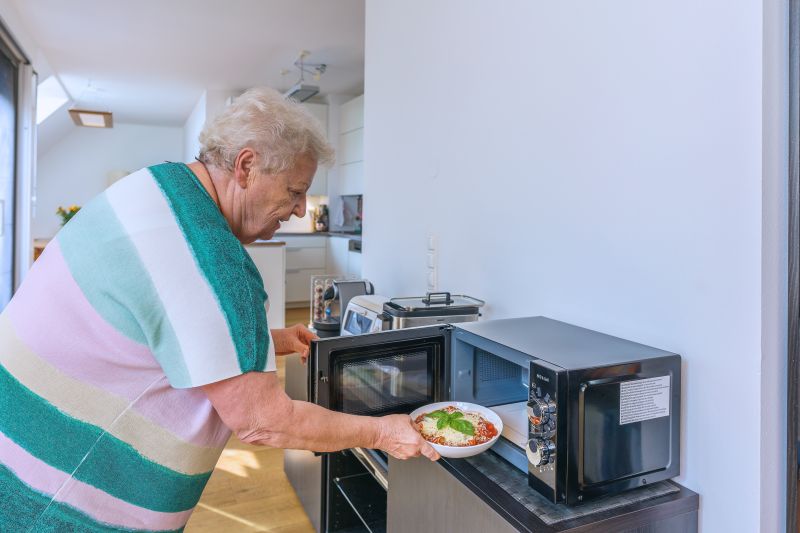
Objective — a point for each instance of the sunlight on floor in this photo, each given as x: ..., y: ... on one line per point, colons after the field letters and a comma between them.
x: 232, y: 517
x: 238, y: 462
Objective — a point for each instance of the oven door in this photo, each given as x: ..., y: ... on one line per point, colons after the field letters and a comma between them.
x: 380, y: 373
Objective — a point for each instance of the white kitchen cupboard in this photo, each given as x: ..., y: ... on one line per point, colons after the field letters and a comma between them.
x: 319, y: 187
x: 337, y: 255
x: 270, y: 259
x: 305, y: 257
x: 351, y: 147
x: 352, y: 114
x: 354, y: 264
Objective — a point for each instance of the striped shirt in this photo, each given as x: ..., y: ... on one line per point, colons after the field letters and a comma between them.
x: 145, y: 295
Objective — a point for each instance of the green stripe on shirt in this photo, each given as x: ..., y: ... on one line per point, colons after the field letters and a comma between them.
x: 223, y: 261
x: 106, y: 266
x: 101, y: 459
x: 21, y: 509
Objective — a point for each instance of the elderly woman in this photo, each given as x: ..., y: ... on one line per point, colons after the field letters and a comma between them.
x: 139, y: 339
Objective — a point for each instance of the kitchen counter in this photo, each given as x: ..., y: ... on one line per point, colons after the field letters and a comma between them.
x: 320, y: 233
x: 485, y: 493
x: 271, y: 242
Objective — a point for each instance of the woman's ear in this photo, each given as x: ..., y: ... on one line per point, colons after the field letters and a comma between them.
x: 243, y: 166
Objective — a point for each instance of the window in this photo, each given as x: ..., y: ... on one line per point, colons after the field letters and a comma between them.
x: 50, y: 96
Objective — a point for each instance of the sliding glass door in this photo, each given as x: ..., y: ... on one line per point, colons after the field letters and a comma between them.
x: 9, y: 76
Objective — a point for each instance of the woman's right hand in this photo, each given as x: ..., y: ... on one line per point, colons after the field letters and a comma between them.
x: 399, y: 439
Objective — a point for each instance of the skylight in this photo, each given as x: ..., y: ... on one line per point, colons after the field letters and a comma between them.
x: 49, y: 97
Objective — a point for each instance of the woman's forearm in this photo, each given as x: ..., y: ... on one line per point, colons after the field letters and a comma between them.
x: 310, y: 427
x: 256, y: 408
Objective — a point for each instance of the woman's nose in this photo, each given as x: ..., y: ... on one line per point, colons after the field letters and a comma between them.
x: 300, y: 209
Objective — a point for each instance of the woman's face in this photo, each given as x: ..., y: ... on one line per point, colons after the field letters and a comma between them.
x: 269, y: 199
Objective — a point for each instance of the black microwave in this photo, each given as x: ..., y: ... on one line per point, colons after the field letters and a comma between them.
x: 585, y: 414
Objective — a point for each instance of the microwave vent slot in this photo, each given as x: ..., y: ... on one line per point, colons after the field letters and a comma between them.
x: 493, y: 368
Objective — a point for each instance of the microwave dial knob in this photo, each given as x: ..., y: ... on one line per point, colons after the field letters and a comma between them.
x: 539, y: 411
x: 540, y: 452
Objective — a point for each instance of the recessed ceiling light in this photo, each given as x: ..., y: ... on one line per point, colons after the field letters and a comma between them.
x: 91, y: 119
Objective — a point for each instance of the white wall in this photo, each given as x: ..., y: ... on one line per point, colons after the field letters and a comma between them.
x: 210, y: 103
x: 78, y: 167
x: 192, y: 128
x: 599, y: 163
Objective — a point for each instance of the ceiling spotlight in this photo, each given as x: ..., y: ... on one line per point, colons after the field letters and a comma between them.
x: 301, y: 91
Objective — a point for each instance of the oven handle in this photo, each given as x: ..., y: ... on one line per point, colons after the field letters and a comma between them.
x: 378, y: 471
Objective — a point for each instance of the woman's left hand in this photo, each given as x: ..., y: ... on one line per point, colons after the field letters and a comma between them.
x: 295, y: 339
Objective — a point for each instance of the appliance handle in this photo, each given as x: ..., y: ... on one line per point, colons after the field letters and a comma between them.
x: 437, y: 297
x: 377, y: 470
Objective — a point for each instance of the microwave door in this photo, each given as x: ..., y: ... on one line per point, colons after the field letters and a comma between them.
x: 380, y: 373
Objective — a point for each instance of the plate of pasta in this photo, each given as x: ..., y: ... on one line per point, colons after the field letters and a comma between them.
x: 457, y: 429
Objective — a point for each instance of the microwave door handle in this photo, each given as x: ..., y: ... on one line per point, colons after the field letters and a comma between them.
x: 310, y: 371
x: 312, y: 378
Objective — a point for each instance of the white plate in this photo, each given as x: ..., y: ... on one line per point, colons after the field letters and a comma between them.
x: 457, y: 452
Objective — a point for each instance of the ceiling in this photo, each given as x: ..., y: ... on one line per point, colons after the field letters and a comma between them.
x: 149, y: 61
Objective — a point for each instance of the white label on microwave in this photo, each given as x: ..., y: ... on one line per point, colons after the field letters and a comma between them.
x: 644, y: 399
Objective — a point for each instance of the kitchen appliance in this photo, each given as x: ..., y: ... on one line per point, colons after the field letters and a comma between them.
x: 321, y: 482
x: 585, y: 414
x: 370, y: 314
x: 328, y: 296
x: 433, y: 308
x: 364, y: 314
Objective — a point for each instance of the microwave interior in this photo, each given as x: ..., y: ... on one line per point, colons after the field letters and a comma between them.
x: 487, y: 373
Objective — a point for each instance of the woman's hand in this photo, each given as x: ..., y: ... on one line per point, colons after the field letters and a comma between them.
x: 295, y: 339
x: 399, y: 439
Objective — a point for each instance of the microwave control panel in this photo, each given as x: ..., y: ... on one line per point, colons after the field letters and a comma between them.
x: 542, y: 425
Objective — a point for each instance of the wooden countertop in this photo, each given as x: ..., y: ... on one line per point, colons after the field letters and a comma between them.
x: 272, y: 242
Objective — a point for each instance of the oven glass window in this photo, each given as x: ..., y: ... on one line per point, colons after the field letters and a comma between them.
x: 387, y: 383
x: 357, y: 324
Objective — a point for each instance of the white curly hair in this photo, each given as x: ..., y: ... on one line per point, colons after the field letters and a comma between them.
x: 277, y: 129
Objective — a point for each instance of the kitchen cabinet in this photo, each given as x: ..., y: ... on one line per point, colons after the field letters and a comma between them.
x: 354, y: 264
x: 270, y: 259
x: 319, y: 187
x: 455, y: 495
x: 337, y: 255
x: 305, y: 257
x: 352, y: 114
x: 351, y: 147
x: 341, y: 260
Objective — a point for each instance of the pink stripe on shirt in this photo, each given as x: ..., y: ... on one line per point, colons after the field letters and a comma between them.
x: 105, y: 508
x: 55, y: 336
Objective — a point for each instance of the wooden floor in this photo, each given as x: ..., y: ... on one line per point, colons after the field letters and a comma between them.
x: 248, y: 490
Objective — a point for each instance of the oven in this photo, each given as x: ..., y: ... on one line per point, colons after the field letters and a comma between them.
x: 373, y: 375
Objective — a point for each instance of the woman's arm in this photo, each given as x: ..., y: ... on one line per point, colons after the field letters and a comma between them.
x: 255, y: 407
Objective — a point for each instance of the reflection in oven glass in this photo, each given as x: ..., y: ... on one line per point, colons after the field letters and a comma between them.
x: 385, y: 383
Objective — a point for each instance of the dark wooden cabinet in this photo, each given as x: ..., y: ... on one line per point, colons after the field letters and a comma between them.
x: 453, y: 496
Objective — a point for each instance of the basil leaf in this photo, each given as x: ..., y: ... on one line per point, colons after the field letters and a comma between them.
x: 456, y: 414
x: 436, y: 414
x: 442, y: 422
x: 463, y: 426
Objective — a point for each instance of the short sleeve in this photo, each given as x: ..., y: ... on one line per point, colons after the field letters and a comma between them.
x: 191, y: 288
